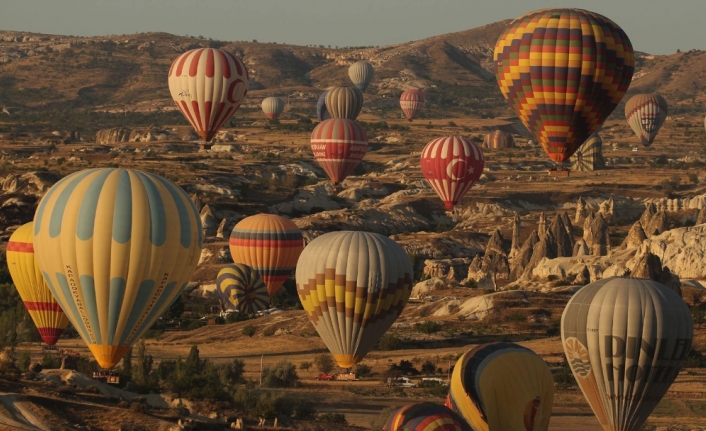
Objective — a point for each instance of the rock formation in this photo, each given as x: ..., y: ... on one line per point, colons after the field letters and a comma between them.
x: 580, y: 210
x: 542, y: 225
x: 682, y: 250
x: 595, y: 234
x: 451, y: 269
x: 515, y: 247
x: 649, y: 266
x: 657, y: 225
x: 523, y: 257
x: 546, y: 247
x: 635, y: 236
x: 208, y: 222
x: 646, y: 217
x: 563, y: 239
x: 112, y: 136
x: 197, y: 201
x: 701, y: 218
x: 580, y: 248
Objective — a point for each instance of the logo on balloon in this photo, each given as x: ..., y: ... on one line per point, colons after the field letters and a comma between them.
x: 578, y: 358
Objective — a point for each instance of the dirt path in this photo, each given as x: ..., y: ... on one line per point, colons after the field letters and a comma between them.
x: 22, y: 417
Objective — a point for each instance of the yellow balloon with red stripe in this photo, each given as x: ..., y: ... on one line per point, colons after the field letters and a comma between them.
x: 46, y: 313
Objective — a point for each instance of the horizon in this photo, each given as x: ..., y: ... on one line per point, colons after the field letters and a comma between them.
x: 272, y: 20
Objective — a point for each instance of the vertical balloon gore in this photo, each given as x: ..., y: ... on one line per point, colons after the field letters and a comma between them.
x: 412, y: 102
x: 240, y: 288
x: 361, y: 73
x: 498, y: 139
x: 339, y: 145
x: 273, y: 107
x: 344, y: 102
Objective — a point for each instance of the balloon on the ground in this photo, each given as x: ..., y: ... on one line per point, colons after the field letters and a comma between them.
x: 344, y: 102
x: 116, y: 248
x: 339, y: 145
x: 45, y: 312
x: 502, y: 386
x: 412, y: 102
x: 321, y: 111
x: 208, y: 85
x: 646, y: 114
x: 353, y: 286
x: 272, y: 107
x: 270, y: 244
x: 425, y: 416
x: 241, y: 288
x: 361, y: 73
x: 498, y: 139
x: 625, y: 340
x: 452, y: 165
x: 563, y: 71
x: 589, y: 156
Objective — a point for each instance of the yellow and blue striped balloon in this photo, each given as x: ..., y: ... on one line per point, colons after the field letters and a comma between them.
x: 116, y: 248
x: 241, y: 288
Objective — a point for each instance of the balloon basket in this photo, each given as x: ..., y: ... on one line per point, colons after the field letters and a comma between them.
x: 205, y: 146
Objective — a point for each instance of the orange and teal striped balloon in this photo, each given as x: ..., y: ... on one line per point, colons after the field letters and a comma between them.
x: 425, y: 417
x: 45, y: 312
x: 116, y: 248
x: 242, y: 289
x: 270, y: 244
x: 563, y: 71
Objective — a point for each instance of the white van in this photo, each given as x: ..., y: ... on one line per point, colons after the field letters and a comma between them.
x: 403, y: 382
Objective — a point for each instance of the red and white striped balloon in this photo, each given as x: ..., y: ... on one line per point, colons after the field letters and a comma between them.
x: 452, y: 165
x: 208, y: 85
x: 412, y: 102
x: 339, y: 145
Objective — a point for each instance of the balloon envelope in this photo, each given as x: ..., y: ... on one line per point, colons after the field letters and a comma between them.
x: 45, y: 312
x: 425, y: 417
x: 339, y: 145
x: 116, y: 247
x: 353, y: 285
x: 498, y: 139
x: 321, y: 111
x: 502, y: 386
x: 563, y: 71
x: 270, y: 244
x: 241, y: 288
x: 452, y: 165
x: 361, y: 73
x: 589, y: 156
x: 208, y: 85
x: 272, y: 107
x: 646, y: 114
x: 625, y: 340
x: 412, y: 102
x: 344, y: 102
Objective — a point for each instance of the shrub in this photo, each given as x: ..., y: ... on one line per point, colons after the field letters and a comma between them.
x: 428, y: 327
x: 23, y: 360
x: 49, y: 361
x: 236, y: 317
x: 694, y: 360
x: 86, y: 366
x: 334, y: 418
x: 304, y: 409
x: 389, y: 342
x: 196, y: 324
x: 282, y: 375
x: 305, y: 365
x: 564, y: 378
x: 405, y: 368
x: 428, y: 367
x: 232, y: 373
x: 248, y: 330
x: 324, y: 363
x: 269, y: 332
x: 363, y: 370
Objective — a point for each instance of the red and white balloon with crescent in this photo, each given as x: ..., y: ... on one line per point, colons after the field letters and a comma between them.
x: 452, y: 165
x: 208, y: 85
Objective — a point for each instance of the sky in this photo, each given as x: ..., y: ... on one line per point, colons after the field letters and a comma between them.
x: 654, y: 26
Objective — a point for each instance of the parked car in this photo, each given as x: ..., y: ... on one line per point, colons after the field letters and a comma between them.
x: 403, y: 382
x: 324, y: 376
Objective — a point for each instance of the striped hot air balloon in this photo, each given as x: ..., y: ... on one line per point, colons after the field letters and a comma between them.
x: 272, y: 107
x: 321, y: 111
x: 208, y: 85
x: 646, y: 114
x: 498, y: 139
x: 339, y: 145
x: 502, y: 386
x: 361, y: 73
x: 45, y: 312
x: 353, y: 285
x: 270, y: 244
x: 452, y: 165
x: 589, y: 156
x: 426, y: 417
x: 625, y: 339
x: 241, y: 288
x: 344, y: 102
x: 563, y: 71
x: 116, y: 248
x: 412, y: 102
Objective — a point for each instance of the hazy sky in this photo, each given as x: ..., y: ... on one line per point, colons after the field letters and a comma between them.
x: 654, y: 26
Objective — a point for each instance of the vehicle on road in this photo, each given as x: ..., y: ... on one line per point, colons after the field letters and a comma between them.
x: 403, y: 382
x: 324, y: 376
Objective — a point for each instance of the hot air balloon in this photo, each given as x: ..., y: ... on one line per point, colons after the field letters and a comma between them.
x: 242, y: 289
x: 425, y: 417
x: 646, y: 114
x: 563, y: 71
x: 502, y: 386
x: 272, y: 107
x: 412, y: 102
x: 361, y: 73
x: 321, y: 111
x: 116, y: 248
x: 45, y: 312
x: 498, y: 139
x: 339, y: 145
x: 344, y: 102
x: 452, y: 165
x: 208, y: 85
x: 589, y: 156
x: 270, y: 244
x: 625, y: 340
x: 353, y: 285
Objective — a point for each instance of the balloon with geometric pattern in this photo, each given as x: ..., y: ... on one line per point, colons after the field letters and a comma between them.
x: 498, y: 139
x: 353, y: 286
x: 646, y: 114
x: 563, y: 71
x: 344, y: 102
x: 116, y: 248
x: 272, y: 107
x: 241, y: 288
x: 208, y: 85
x: 45, y: 312
x: 425, y: 416
x: 589, y: 156
x: 625, y: 339
x: 412, y: 102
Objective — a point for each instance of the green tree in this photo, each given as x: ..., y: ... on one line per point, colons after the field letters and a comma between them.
x: 305, y: 365
x: 248, y: 330
x: 324, y: 363
x: 428, y: 367
x: 282, y: 375
x: 232, y: 373
x: 23, y: 360
x: 141, y: 375
x: 193, y: 364
x: 175, y: 310
x: 127, y: 365
x: 389, y: 342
